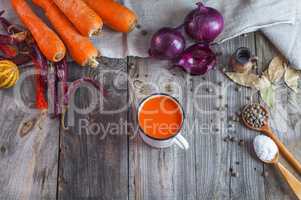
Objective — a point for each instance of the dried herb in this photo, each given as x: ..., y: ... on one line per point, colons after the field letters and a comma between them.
x: 249, y: 80
x: 268, y: 95
x: 266, y: 83
x: 276, y: 69
x: 291, y: 78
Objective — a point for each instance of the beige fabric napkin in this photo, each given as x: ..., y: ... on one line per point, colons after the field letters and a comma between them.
x: 241, y: 16
x: 287, y: 37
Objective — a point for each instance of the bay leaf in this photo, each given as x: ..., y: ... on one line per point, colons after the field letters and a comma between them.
x: 268, y: 95
x: 249, y: 80
x: 262, y: 82
x: 291, y: 78
x: 276, y: 69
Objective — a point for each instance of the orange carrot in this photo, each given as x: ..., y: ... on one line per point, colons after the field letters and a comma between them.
x: 80, y: 47
x: 49, y: 43
x: 86, y: 21
x: 114, y: 15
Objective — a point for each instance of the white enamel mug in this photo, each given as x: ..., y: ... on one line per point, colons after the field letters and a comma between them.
x: 176, y: 138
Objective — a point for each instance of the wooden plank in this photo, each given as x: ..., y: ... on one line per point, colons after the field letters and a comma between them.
x: 160, y: 173
x: 94, y: 152
x: 28, y: 161
x: 248, y: 183
x: 212, y: 154
x: 284, y: 121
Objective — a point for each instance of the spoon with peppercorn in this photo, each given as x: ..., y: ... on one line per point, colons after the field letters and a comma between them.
x: 256, y: 117
x: 267, y: 151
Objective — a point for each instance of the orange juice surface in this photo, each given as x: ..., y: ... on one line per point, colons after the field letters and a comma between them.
x: 160, y: 117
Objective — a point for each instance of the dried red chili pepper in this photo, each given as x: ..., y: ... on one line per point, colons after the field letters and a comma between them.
x: 40, y: 66
x: 8, y: 51
x: 13, y: 39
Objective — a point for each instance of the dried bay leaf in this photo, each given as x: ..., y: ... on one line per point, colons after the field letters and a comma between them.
x: 249, y: 80
x: 276, y: 69
x: 262, y: 82
x: 268, y: 95
x: 291, y: 78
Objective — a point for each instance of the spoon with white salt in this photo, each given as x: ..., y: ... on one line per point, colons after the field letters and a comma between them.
x: 256, y: 117
x: 267, y: 151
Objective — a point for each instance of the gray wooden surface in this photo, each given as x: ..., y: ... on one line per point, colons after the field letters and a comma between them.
x: 94, y: 163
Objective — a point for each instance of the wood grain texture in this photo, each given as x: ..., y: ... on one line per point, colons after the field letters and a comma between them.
x: 284, y: 121
x: 93, y: 153
x: 160, y: 173
x: 248, y: 184
x: 224, y: 169
x: 28, y: 162
x: 98, y: 160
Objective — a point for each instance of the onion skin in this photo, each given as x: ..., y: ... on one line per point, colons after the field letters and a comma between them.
x: 198, y: 59
x: 167, y: 44
x: 7, y: 26
x: 204, y: 23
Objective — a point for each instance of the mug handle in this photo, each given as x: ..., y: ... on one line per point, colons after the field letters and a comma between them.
x: 181, y: 142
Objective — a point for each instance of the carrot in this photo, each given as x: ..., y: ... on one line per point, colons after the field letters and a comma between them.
x: 49, y: 43
x: 86, y: 21
x: 114, y: 15
x: 80, y: 47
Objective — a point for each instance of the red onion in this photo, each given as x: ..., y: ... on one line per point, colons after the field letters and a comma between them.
x: 197, y: 59
x: 204, y: 23
x: 167, y: 43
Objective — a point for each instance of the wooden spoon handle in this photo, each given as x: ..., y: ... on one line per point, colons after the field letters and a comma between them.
x: 283, y: 150
x: 292, y: 181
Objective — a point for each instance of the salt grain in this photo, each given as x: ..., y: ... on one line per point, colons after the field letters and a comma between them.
x: 265, y: 148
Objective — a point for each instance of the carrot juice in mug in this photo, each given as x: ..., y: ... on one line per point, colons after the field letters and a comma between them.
x: 160, y: 119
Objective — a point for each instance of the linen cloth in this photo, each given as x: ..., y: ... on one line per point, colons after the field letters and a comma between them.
x: 287, y: 37
x: 241, y: 16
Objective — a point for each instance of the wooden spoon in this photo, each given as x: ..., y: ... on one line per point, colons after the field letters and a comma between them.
x: 292, y: 181
x: 268, y: 132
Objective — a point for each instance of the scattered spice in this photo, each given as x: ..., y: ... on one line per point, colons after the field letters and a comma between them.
x: 233, y: 139
x: 241, y: 142
x: 227, y: 138
x: 234, y: 174
x: 144, y: 32
x: 2, y: 149
x: 209, y: 90
x: 264, y: 174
